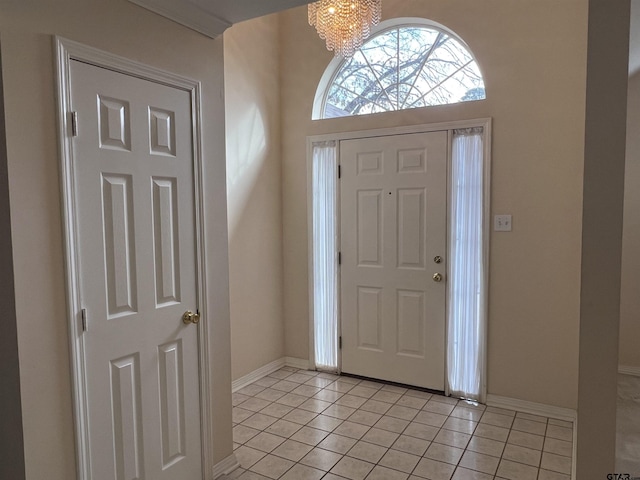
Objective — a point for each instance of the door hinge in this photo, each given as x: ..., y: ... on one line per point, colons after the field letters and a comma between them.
x: 83, y: 314
x: 339, y: 171
x: 74, y: 124
x: 339, y: 258
x: 340, y: 342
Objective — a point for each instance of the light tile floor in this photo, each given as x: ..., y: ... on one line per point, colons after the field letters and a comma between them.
x: 304, y: 425
x: 628, y: 428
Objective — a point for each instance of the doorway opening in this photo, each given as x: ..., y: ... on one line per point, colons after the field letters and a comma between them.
x: 427, y: 209
x: 134, y: 262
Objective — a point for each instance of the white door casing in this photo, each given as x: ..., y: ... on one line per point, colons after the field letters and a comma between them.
x: 134, y: 265
x: 393, y: 226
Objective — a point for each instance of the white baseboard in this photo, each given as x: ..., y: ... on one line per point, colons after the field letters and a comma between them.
x: 627, y: 370
x: 257, y: 374
x: 300, y: 363
x: 533, y: 408
x: 267, y: 369
x: 226, y: 466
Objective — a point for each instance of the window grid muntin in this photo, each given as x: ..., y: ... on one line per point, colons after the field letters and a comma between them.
x: 426, y: 28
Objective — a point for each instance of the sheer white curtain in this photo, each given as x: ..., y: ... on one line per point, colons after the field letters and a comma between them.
x: 466, y: 332
x: 325, y: 251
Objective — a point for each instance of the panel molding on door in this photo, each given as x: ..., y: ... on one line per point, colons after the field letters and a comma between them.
x: 115, y: 118
x: 393, y: 220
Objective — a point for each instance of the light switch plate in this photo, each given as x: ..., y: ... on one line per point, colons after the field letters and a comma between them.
x: 502, y: 223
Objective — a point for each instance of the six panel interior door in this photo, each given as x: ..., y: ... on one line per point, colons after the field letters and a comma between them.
x: 134, y: 193
x: 393, y: 243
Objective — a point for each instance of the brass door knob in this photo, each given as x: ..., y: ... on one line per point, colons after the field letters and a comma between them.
x: 437, y: 277
x: 190, y: 317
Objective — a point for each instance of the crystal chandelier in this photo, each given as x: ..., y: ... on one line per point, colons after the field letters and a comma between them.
x: 344, y: 24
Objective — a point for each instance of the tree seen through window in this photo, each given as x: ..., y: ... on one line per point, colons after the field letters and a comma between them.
x: 405, y: 67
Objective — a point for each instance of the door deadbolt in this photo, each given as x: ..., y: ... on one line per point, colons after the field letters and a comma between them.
x: 437, y: 259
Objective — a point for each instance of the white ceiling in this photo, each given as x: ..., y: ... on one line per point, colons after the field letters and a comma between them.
x: 213, y: 17
x: 238, y: 10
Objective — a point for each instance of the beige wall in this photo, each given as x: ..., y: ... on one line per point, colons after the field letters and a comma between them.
x: 630, y: 295
x: 252, y: 99
x: 534, y: 65
x: 120, y: 27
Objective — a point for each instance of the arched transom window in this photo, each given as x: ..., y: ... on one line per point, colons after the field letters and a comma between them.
x: 402, y: 67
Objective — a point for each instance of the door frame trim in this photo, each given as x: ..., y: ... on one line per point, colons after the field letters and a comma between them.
x: 64, y: 52
x: 486, y: 124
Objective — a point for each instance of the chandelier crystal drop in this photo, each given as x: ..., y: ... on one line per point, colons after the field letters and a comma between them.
x: 344, y: 24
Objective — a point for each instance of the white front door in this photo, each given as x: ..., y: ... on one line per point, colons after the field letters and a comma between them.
x: 393, y: 241
x: 134, y: 197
